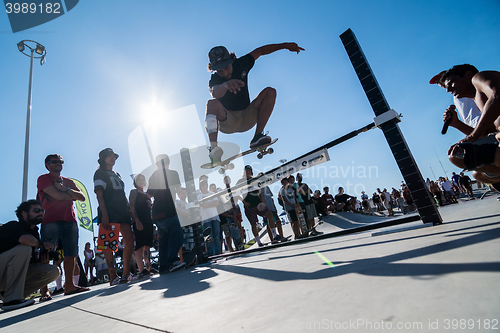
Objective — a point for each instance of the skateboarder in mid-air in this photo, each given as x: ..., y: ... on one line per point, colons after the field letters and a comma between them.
x: 231, y: 110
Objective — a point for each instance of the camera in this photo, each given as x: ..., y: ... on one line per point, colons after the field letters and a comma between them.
x: 53, y: 255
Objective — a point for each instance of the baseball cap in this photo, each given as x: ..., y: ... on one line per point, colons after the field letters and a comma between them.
x: 248, y: 167
x: 105, y: 153
x: 219, y: 58
x: 435, y: 78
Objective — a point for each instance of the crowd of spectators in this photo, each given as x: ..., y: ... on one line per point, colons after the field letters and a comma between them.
x: 145, y: 223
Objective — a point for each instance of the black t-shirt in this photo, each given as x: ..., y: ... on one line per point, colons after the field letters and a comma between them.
x: 342, y: 198
x: 113, y: 191
x: 240, y: 100
x: 319, y: 205
x: 164, y: 203
x: 465, y: 180
x: 307, y: 195
x: 376, y: 198
x: 11, y: 231
x: 253, y: 198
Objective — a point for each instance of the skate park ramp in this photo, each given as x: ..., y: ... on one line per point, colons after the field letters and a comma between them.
x: 340, y: 221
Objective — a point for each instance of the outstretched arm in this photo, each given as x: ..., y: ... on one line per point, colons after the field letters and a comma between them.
x: 270, y: 48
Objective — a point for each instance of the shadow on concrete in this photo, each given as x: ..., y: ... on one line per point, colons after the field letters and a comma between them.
x: 387, y: 265
x: 449, y: 233
x: 57, y: 303
x: 191, y: 282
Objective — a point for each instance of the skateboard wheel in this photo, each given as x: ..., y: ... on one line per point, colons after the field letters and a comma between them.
x: 231, y: 166
x: 259, y: 156
x: 221, y: 171
x: 270, y: 150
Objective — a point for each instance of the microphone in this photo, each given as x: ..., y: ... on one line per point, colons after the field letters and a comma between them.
x: 448, y: 122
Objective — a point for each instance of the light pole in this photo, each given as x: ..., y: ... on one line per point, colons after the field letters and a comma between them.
x: 40, y: 50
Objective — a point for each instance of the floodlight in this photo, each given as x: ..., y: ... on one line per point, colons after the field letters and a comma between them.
x: 20, y: 46
x: 39, y: 49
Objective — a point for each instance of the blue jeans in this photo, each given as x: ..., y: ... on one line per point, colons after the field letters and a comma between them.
x: 171, y: 239
x: 213, y: 247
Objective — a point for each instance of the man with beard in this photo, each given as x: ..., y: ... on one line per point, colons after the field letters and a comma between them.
x: 19, y: 274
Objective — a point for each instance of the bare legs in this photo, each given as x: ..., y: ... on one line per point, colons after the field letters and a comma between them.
x: 264, y: 103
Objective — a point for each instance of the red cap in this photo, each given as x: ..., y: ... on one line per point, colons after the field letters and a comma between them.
x: 435, y: 78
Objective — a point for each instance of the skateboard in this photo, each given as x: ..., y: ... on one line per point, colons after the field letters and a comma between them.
x: 206, y: 234
x: 108, y: 239
x: 320, y: 221
x: 227, y: 163
x: 302, y: 221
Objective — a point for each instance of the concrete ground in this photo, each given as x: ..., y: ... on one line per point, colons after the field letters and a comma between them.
x: 407, y: 278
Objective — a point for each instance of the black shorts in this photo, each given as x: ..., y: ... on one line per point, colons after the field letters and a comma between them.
x: 292, y: 215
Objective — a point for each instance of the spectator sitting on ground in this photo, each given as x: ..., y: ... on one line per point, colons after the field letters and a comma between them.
x: 345, y: 201
x: 319, y: 204
x: 328, y: 200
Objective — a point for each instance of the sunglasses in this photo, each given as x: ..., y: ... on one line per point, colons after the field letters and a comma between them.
x: 38, y: 210
x: 56, y: 162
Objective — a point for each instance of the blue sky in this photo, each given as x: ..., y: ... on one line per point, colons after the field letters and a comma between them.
x: 112, y: 64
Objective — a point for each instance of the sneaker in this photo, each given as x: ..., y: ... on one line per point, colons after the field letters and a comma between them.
x: 316, y: 233
x: 132, y: 277
x: 128, y: 278
x: 115, y: 281
x: 144, y: 274
x: 215, y: 154
x: 259, y: 140
x: 176, y: 265
x: 58, y: 291
x: 16, y: 304
x: 280, y: 238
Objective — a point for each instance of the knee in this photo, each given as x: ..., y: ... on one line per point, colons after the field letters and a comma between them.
x: 270, y: 92
x: 213, y: 106
x: 457, y: 161
x: 24, y: 250
x: 54, y: 272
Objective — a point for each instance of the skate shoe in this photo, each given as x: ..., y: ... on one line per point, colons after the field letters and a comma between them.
x: 215, y: 154
x: 259, y: 140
